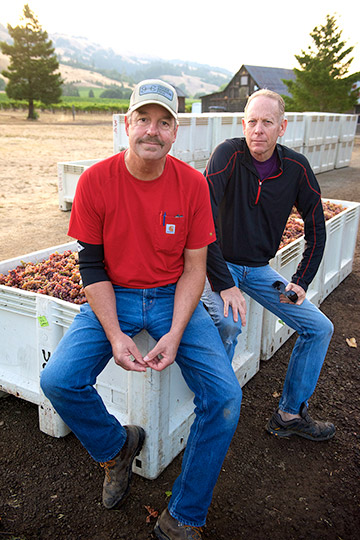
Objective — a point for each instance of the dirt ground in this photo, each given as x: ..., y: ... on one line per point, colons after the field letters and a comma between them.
x: 280, y: 489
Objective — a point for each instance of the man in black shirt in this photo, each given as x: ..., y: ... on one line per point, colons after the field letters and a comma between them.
x: 254, y: 184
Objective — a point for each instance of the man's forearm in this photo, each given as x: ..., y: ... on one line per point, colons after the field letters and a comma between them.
x: 188, y: 292
x: 101, y: 298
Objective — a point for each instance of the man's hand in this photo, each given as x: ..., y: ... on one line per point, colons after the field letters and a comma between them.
x: 234, y: 298
x: 163, y: 354
x: 187, y: 295
x: 299, y: 291
x: 127, y: 355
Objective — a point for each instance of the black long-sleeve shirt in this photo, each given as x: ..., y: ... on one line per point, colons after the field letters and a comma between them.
x: 250, y: 215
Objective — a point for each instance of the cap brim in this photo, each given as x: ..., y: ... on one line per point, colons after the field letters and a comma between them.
x: 152, y: 102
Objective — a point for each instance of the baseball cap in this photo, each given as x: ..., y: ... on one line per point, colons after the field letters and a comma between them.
x: 157, y: 92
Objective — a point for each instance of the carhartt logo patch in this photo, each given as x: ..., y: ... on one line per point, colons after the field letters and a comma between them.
x: 170, y: 229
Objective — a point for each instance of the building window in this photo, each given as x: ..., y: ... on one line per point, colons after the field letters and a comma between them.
x: 244, y: 80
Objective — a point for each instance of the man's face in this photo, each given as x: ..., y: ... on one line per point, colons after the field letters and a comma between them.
x: 151, y: 131
x: 262, y: 127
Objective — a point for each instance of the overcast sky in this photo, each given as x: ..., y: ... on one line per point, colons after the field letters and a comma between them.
x: 223, y: 34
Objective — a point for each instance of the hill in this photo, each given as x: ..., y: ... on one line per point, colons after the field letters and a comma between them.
x: 86, y: 63
x: 77, y: 76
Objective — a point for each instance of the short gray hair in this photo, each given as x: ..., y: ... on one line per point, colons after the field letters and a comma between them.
x: 268, y: 93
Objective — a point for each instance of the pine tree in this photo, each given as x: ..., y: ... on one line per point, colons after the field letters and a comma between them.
x: 322, y: 83
x: 31, y: 73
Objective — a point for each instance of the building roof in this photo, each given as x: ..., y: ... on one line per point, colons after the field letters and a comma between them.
x: 179, y: 91
x: 271, y: 78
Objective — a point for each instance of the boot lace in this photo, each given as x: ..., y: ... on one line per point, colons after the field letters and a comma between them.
x: 196, y: 530
x: 107, y: 465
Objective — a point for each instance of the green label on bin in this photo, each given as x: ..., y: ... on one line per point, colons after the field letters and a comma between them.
x: 43, y: 321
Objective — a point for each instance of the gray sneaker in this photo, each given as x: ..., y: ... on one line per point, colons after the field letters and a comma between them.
x: 305, y: 426
x: 168, y: 528
x: 118, y: 471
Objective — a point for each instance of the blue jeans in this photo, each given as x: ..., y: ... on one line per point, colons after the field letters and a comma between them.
x: 83, y: 353
x: 314, y: 329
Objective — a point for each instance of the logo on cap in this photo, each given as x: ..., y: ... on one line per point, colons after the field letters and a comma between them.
x: 156, y: 89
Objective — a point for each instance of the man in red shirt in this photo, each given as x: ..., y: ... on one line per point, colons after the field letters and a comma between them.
x: 143, y: 222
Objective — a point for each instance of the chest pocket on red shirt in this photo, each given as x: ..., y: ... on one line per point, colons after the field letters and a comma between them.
x: 170, y: 233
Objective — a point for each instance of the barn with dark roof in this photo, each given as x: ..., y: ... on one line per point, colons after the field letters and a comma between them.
x: 246, y: 81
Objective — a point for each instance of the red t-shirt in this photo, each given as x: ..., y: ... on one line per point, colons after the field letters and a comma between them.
x: 143, y: 225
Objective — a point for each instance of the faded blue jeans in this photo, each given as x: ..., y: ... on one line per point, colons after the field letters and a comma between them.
x: 83, y: 353
x: 314, y: 329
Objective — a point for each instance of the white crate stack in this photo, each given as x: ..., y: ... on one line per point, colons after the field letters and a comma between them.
x: 328, y: 156
x: 325, y: 139
x: 194, y: 140
x: 295, y: 132
x: 226, y: 126
x: 332, y: 128
x: 348, y: 123
x: 314, y: 139
x: 346, y: 140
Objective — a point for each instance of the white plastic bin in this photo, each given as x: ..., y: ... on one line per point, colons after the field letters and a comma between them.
x: 120, y: 139
x: 68, y: 175
x: 315, y: 125
x: 315, y: 135
x: 343, y: 154
x: 328, y: 156
x: 160, y: 402
x: 193, y: 142
x: 332, y: 128
x: 274, y: 331
x: 246, y: 361
x: 294, y: 135
x: 313, y: 154
x: 348, y: 123
x: 336, y: 264
x: 341, y: 233
x: 226, y: 126
x: 194, y: 138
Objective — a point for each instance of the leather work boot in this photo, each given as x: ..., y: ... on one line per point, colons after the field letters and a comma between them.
x: 168, y: 528
x: 118, y: 471
x: 306, y: 427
